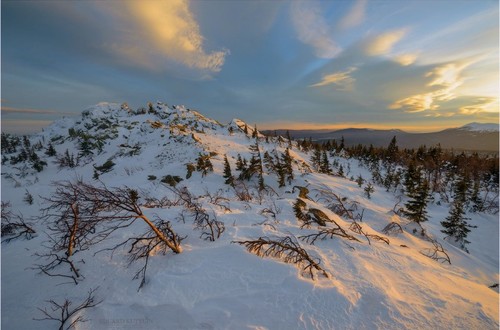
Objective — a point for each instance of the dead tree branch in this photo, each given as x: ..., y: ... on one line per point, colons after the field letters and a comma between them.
x: 287, y: 249
x: 61, y: 312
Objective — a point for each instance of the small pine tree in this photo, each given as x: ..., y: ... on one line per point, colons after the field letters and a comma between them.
x: 456, y: 226
x: 341, y: 171
x: 50, y: 151
x: 325, y: 164
x: 255, y: 132
x: 239, y: 163
x: 28, y: 198
x: 369, y: 190
x: 245, y: 130
x: 227, y: 172
x: 287, y: 165
x: 360, y: 180
x: 316, y: 159
x: 415, y: 208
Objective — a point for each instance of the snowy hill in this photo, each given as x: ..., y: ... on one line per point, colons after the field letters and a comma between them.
x: 356, y: 276
x: 481, y: 127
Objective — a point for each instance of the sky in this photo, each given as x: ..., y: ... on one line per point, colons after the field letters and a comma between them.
x: 414, y: 65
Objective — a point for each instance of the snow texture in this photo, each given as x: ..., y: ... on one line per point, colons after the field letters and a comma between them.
x: 219, y: 285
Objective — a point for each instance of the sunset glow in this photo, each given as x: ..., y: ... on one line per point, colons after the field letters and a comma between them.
x: 336, y: 64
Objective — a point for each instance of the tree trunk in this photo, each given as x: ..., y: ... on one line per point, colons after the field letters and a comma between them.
x: 172, y: 245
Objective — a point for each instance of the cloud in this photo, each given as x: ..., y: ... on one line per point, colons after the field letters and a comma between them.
x: 480, y: 105
x: 312, y: 28
x: 163, y: 30
x: 444, y: 80
x: 355, y: 16
x: 406, y: 59
x: 383, y: 43
x: 342, y: 80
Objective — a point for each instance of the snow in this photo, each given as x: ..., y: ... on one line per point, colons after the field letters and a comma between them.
x: 481, y: 127
x: 219, y: 285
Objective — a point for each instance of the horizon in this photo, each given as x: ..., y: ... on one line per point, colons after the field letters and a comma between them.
x: 418, y: 67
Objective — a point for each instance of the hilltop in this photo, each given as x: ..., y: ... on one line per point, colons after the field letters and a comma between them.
x: 358, y: 262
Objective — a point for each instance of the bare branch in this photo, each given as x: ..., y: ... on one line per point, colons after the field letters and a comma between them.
x: 287, y: 249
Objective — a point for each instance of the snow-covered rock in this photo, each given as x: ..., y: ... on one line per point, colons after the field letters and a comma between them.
x: 219, y: 285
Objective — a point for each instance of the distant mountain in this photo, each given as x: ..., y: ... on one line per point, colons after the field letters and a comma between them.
x: 473, y: 136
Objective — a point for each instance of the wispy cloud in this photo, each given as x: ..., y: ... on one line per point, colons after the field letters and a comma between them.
x: 163, y: 30
x: 342, y: 80
x: 34, y: 111
x: 481, y: 104
x: 383, y: 43
x: 312, y: 28
x: 355, y: 16
x: 406, y: 59
x: 444, y: 80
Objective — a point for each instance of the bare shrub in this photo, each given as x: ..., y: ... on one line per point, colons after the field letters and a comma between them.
x: 62, y: 314
x: 287, y: 249
x: 13, y: 225
x: 392, y: 229
x: 80, y: 215
x: 437, y: 252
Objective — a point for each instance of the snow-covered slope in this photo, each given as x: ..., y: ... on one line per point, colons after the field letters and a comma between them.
x: 218, y: 284
x: 481, y: 127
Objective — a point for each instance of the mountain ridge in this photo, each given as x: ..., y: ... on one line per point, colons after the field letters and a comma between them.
x: 219, y: 284
x: 470, y: 137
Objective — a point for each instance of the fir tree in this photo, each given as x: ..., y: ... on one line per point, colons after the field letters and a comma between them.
x: 269, y: 163
x: 341, y: 171
x: 415, y: 208
x: 51, y: 151
x: 255, y: 132
x: 325, y: 164
x: 360, y: 180
x: 227, y: 172
x: 369, y: 190
x: 316, y: 159
x: 287, y: 165
x: 239, y: 163
x: 455, y: 225
x: 392, y: 151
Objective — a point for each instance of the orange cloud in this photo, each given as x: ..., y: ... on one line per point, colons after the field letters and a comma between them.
x: 406, y: 59
x: 342, y: 80
x: 163, y: 29
x: 383, y: 43
x: 445, y: 79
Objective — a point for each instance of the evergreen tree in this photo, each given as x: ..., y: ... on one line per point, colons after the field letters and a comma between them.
x: 360, y: 180
x: 289, y: 138
x: 227, y: 172
x: 254, y: 133
x: 269, y: 163
x: 325, y: 164
x: 85, y: 147
x: 316, y: 159
x: 455, y: 225
x: 341, y: 171
x: 239, y: 163
x: 245, y: 130
x: 51, y: 151
x: 412, y: 178
x: 369, y: 190
x: 342, y: 144
x: 415, y: 207
x: 287, y: 159
x: 392, y: 151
